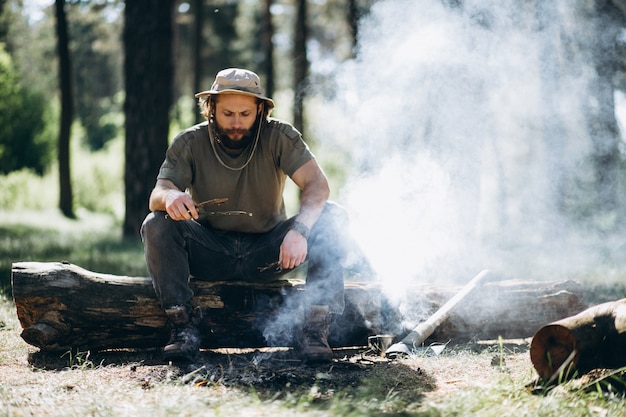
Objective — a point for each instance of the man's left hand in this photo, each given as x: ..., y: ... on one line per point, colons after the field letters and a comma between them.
x: 293, y: 250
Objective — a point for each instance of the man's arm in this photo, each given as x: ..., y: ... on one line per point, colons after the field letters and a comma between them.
x: 167, y: 197
x: 315, y: 191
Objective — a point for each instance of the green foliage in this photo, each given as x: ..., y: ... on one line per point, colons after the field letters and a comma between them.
x: 92, y: 241
x: 97, y: 179
x: 22, y: 144
x: 79, y: 360
x: 95, y: 49
x: 24, y: 190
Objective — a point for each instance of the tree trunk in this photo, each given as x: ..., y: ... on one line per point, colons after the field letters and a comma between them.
x: 594, y: 338
x: 61, y: 306
x: 67, y: 112
x: 198, y: 44
x: 602, y: 123
x: 300, y: 65
x: 148, y: 69
x: 353, y: 21
x: 268, y: 48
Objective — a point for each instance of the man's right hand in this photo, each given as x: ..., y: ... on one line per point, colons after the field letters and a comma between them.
x: 179, y: 206
x: 167, y: 197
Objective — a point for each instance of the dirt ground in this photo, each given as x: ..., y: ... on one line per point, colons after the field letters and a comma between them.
x: 274, y: 373
x: 269, y: 382
x: 36, y: 383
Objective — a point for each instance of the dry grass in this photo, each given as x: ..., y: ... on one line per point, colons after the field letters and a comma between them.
x: 478, y: 379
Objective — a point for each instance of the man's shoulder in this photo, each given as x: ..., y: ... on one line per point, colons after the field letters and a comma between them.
x: 190, y: 137
x: 198, y: 130
x: 282, y: 127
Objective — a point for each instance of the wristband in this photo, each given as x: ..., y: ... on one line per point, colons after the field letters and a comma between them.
x: 301, y: 228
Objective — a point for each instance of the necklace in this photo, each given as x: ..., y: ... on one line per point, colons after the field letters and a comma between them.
x: 219, y: 158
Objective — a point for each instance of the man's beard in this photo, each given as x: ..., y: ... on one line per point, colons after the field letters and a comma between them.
x: 235, y: 145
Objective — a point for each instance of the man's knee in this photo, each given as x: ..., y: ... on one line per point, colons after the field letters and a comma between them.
x: 153, y: 226
x: 334, y: 216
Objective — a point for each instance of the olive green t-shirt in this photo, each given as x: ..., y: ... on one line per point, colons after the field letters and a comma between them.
x: 191, y: 164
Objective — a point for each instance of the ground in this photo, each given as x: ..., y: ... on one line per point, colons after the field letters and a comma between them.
x: 477, y: 378
x: 489, y: 378
x: 358, y: 381
x: 482, y: 378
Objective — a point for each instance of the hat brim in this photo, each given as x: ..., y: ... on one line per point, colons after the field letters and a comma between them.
x: 269, y: 101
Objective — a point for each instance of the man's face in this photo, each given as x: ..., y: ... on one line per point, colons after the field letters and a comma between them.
x: 235, y: 115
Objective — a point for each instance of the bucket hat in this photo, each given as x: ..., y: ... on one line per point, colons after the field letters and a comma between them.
x: 237, y: 81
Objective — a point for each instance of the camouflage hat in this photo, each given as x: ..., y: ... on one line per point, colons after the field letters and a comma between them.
x: 237, y: 81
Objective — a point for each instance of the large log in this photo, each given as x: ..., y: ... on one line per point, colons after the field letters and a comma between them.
x: 62, y: 306
x: 511, y: 309
x: 594, y: 338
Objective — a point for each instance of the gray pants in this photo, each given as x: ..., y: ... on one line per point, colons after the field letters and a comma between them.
x: 179, y: 250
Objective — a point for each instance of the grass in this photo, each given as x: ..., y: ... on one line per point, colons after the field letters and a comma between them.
x: 93, y: 241
x: 460, y: 382
x: 496, y: 380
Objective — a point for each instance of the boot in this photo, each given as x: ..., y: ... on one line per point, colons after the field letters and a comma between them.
x: 313, y: 339
x: 184, y: 343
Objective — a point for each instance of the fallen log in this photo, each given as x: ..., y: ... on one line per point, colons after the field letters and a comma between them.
x: 61, y: 306
x: 510, y: 309
x: 594, y: 338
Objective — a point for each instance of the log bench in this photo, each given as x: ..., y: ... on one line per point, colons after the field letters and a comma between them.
x: 62, y: 306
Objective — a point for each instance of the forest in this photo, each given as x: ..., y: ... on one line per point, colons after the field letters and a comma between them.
x: 94, y: 55
x: 487, y: 122
x: 462, y: 136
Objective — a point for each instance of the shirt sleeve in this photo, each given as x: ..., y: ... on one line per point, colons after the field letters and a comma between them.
x: 178, y: 164
x: 293, y: 151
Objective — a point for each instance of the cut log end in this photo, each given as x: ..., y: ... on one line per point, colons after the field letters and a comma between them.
x: 550, y: 348
x: 40, y: 334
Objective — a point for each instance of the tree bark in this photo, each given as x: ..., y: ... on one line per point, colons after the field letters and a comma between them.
x: 67, y: 112
x: 62, y: 306
x: 594, y: 338
x: 353, y: 20
x: 268, y: 47
x: 600, y: 109
x: 198, y: 44
x: 300, y: 65
x: 510, y: 309
x: 149, y: 73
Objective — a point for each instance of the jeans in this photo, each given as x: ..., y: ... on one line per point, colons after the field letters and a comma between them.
x: 177, y: 251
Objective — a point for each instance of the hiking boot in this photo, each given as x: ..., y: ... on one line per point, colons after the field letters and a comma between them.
x: 184, y: 343
x: 313, y: 340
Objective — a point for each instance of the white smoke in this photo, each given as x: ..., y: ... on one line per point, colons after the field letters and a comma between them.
x: 458, y: 160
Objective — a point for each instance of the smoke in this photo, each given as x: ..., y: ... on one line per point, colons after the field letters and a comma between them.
x: 464, y: 122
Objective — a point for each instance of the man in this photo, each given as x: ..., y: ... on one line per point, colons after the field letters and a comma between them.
x: 237, y: 163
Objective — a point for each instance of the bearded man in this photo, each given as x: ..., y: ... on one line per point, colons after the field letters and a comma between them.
x: 237, y: 162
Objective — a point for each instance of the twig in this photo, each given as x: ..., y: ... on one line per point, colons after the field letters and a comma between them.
x: 276, y: 265
x: 226, y: 213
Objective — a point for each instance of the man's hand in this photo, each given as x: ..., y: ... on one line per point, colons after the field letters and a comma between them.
x: 179, y: 206
x: 167, y: 197
x: 293, y: 250
x: 311, y: 180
